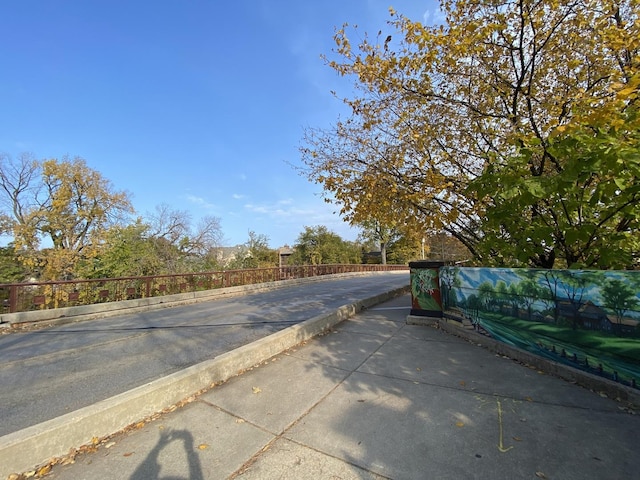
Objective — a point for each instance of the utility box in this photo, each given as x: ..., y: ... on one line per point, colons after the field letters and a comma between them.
x: 426, y: 300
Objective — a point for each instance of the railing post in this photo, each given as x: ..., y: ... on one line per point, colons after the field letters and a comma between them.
x: 13, y: 299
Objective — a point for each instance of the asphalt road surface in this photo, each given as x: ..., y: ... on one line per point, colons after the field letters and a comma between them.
x: 47, y: 373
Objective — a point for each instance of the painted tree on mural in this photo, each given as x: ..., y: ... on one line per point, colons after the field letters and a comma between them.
x: 449, y: 280
x: 513, y: 126
x: 619, y: 297
x: 529, y: 291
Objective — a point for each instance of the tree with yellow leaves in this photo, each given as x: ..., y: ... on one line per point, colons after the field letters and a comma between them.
x: 64, y: 204
x: 512, y: 127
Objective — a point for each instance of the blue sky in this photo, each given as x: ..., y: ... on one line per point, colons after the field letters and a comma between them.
x: 200, y: 105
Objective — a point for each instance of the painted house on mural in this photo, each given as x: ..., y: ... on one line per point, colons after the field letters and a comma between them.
x: 589, y: 316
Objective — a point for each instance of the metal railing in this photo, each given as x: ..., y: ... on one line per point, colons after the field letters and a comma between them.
x: 24, y: 297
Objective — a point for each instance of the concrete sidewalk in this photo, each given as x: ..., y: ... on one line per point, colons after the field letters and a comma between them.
x: 377, y: 398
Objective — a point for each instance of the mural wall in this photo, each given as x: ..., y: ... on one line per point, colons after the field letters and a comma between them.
x: 589, y: 319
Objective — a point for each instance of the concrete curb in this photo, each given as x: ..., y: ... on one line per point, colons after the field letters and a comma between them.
x: 64, y: 315
x: 24, y: 449
x: 621, y: 393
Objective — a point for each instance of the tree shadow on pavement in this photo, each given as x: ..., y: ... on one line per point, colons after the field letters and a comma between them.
x: 420, y: 403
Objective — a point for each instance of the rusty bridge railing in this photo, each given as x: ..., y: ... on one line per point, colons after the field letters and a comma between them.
x: 23, y: 297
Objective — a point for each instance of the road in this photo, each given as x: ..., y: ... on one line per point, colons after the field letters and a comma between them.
x: 50, y: 372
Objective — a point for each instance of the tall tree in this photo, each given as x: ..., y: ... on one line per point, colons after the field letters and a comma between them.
x: 535, y: 100
x: 64, y: 202
x: 179, y: 246
x: 382, y: 235
x: 19, y: 187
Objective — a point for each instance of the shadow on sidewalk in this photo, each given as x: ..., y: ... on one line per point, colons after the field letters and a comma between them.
x: 150, y: 468
x: 425, y: 404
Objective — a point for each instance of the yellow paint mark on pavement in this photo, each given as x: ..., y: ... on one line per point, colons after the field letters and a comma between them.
x: 501, y: 444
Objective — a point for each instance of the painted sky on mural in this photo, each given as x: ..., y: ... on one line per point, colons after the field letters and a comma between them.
x: 200, y: 105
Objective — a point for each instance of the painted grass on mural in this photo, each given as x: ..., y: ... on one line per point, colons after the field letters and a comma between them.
x: 614, y: 354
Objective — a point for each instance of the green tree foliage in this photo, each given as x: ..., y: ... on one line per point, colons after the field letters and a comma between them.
x: 11, y: 269
x: 127, y: 251
x: 512, y: 127
x: 318, y: 245
x: 165, y: 243
x: 255, y: 253
x: 585, y: 210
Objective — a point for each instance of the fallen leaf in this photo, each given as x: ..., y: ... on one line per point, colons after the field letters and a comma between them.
x: 95, y: 440
x: 42, y: 471
x: 203, y: 446
x: 30, y: 474
x: 459, y: 424
x: 128, y: 454
x: 256, y: 390
x: 462, y: 383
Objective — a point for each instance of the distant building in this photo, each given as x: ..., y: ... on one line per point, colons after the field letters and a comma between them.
x: 226, y: 255
x: 283, y: 255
